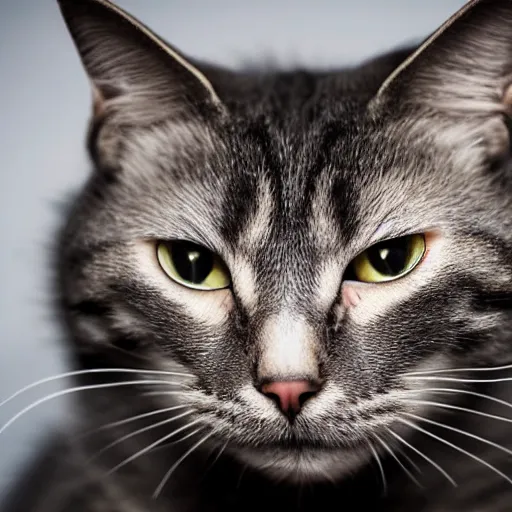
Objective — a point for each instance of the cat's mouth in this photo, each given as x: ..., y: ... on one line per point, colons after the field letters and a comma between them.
x: 295, y: 443
x: 325, y: 441
x: 300, y: 459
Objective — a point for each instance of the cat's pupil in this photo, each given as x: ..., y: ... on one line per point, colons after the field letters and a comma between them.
x: 390, y: 257
x: 193, y: 263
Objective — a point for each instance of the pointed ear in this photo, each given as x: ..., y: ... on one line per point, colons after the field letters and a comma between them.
x: 463, y: 73
x: 137, y: 78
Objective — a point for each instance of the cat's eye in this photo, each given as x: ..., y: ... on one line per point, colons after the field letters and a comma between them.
x: 192, y: 265
x: 389, y: 259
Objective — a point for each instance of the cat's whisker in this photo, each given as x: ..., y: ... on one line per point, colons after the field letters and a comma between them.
x: 152, y: 445
x: 463, y: 392
x: 381, y: 468
x: 158, y: 393
x: 457, y: 408
x: 173, y: 468
x: 450, y: 370
x: 459, y: 431
x: 456, y: 379
x: 173, y: 443
x: 454, y: 446
x: 77, y: 389
x: 137, y: 432
x: 395, y: 457
x: 408, y: 459
x: 422, y: 455
x: 131, y: 419
x: 218, y: 456
x: 184, y: 438
x: 77, y: 373
x: 221, y: 451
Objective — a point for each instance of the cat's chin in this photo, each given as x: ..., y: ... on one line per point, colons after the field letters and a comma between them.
x: 304, y: 466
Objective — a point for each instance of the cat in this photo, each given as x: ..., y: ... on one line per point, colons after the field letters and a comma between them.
x: 288, y: 290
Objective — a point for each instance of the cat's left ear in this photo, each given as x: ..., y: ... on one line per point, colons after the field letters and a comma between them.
x: 137, y: 78
x: 462, y: 75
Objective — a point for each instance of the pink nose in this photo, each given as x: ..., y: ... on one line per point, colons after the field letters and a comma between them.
x: 290, y: 395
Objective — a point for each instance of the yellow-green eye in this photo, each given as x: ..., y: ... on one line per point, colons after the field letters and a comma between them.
x: 193, y: 266
x: 390, y: 259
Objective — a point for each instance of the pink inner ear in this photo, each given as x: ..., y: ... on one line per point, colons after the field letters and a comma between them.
x: 98, y: 103
x: 349, y: 296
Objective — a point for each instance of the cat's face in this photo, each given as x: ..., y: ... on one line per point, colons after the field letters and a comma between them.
x: 297, y: 340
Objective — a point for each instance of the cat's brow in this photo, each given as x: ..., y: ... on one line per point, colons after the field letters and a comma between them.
x: 254, y: 233
x: 322, y: 224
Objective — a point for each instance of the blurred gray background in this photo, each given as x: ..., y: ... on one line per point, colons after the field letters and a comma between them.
x: 44, y: 105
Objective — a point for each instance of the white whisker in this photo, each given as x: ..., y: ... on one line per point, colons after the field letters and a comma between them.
x: 137, y: 432
x: 421, y: 454
x: 119, y: 423
x: 409, y: 460
x: 458, y: 448
x: 173, y: 443
x: 158, y: 393
x: 81, y: 388
x: 455, y: 379
x: 463, y: 392
x: 181, y: 439
x: 398, y: 461
x: 381, y: 468
x: 153, y: 445
x: 166, y: 477
x: 462, y: 432
x: 217, y: 457
x: 457, y: 408
x: 92, y: 371
x: 449, y: 370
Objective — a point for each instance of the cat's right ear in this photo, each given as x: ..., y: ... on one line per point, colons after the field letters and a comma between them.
x: 457, y: 85
x: 137, y: 78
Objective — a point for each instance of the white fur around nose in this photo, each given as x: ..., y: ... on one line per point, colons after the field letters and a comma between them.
x: 288, y: 349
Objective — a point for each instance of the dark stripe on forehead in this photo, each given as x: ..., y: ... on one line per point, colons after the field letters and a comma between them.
x: 331, y: 134
x: 336, y: 145
x: 346, y: 208
x: 299, y: 167
x: 251, y: 158
x: 309, y: 153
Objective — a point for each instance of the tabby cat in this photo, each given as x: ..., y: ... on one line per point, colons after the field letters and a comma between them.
x: 288, y: 291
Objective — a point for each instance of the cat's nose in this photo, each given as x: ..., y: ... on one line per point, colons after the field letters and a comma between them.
x: 290, y: 395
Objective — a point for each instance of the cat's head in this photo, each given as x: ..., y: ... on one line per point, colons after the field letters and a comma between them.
x: 295, y: 243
